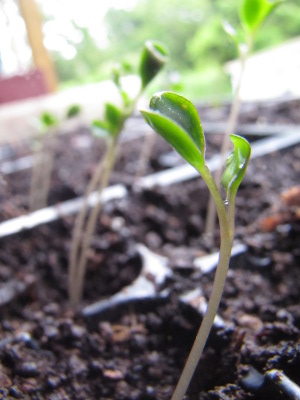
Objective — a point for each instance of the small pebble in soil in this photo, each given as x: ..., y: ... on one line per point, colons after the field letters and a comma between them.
x: 28, y: 369
x: 50, y: 332
x: 250, y: 321
x: 95, y: 368
x: 77, y: 366
x: 153, y: 240
x: 106, y: 331
x: 78, y: 332
x: 16, y: 393
x: 117, y: 223
x: 155, y: 373
x: 53, y: 382
x: 114, y: 375
x: 51, y: 309
x: 30, y: 386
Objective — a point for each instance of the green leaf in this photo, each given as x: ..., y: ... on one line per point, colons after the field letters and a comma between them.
x: 153, y: 58
x: 73, y: 110
x: 114, y: 118
x: 236, y: 165
x: 116, y: 74
x: 181, y: 111
x: 126, y: 98
x: 176, y: 119
x: 48, y: 120
x: 100, y: 129
x: 254, y: 12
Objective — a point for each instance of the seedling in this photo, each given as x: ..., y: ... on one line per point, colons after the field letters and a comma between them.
x: 44, y: 147
x: 176, y: 120
x: 252, y: 14
x: 153, y: 58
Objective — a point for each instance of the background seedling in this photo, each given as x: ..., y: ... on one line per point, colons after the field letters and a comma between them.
x: 176, y: 120
x: 44, y: 147
x: 252, y: 15
x: 153, y: 58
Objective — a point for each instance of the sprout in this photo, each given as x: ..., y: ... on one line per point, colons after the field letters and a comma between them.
x: 153, y: 59
x: 254, y: 12
x: 176, y: 119
x: 44, y: 145
x: 252, y: 15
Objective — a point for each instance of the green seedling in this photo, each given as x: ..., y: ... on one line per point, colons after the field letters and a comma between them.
x: 44, y: 147
x: 153, y: 58
x: 176, y: 119
x: 252, y: 14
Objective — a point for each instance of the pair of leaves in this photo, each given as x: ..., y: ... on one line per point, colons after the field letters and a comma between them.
x: 48, y: 120
x: 176, y: 119
x: 254, y: 12
x: 252, y: 15
x: 153, y: 58
x: 112, y: 124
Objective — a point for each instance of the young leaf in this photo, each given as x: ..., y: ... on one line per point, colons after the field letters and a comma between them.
x: 236, y: 165
x: 48, y: 120
x: 153, y: 58
x: 176, y: 119
x: 73, y: 110
x: 114, y: 118
x: 100, y: 129
x: 116, y: 75
x: 254, y: 12
x: 183, y: 112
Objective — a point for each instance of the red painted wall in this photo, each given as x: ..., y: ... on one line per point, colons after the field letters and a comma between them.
x: 20, y: 87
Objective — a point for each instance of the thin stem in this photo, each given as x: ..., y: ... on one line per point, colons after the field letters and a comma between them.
x: 78, y: 256
x: 42, y: 170
x: 145, y: 154
x: 207, y: 321
x: 226, y: 233
x: 35, y: 180
x: 45, y: 178
x: 94, y: 182
x: 77, y: 288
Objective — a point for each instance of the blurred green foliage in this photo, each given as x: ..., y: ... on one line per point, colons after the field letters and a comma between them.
x: 193, y: 32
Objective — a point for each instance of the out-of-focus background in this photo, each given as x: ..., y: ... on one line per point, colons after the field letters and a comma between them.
x: 59, y: 46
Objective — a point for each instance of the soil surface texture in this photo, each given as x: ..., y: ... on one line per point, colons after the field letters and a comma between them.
x: 50, y: 349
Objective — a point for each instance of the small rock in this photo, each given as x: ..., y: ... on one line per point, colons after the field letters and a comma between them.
x: 53, y: 382
x: 77, y: 365
x: 153, y: 240
x: 28, y: 369
x: 138, y: 342
x: 51, y: 309
x: 106, y: 331
x: 16, y: 393
x: 155, y: 372
x: 114, y: 375
x: 78, y: 331
x: 250, y: 321
x: 51, y: 332
x: 30, y: 385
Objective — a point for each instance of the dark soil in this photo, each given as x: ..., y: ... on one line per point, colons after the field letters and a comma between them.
x: 50, y: 350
